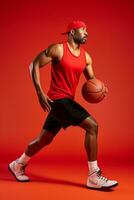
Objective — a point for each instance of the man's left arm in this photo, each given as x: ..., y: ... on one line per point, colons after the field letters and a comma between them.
x: 88, y: 71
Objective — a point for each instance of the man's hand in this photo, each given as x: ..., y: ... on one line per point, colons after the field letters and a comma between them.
x: 44, y: 101
x: 106, y: 90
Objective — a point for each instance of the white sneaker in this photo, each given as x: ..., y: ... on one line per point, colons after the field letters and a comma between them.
x: 18, y: 170
x: 96, y: 181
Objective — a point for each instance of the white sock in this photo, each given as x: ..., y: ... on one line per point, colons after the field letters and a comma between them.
x: 23, y: 159
x: 93, y: 166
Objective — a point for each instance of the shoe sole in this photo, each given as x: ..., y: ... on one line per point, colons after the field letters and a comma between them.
x: 15, y: 176
x: 103, y: 188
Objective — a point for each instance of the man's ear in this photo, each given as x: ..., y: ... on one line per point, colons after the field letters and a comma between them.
x: 72, y: 32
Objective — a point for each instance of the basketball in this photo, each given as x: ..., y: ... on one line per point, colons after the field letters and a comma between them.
x: 93, y: 90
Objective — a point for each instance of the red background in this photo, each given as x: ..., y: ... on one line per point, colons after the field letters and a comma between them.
x: 28, y: 27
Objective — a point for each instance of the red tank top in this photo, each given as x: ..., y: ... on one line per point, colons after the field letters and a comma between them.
x: 65, y: 75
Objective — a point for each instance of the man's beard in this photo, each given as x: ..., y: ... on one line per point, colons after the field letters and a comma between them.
x: 80, y: 40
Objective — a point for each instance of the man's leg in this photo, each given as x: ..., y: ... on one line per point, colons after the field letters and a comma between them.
x: 44, y: 138
x: 95, y: 180
x: 91, y: 127
x: 17, y: 167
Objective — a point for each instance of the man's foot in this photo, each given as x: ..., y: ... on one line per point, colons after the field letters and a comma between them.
x: 18, y: 170
x: 96, y: 181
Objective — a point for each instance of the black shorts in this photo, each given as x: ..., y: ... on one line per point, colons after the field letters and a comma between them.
x: 64, y: 112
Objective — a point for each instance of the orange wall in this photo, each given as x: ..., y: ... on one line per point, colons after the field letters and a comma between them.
x: 29, y: 27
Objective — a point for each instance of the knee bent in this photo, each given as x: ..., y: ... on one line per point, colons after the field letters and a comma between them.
x: 41, y: 141
x: 93, y: 128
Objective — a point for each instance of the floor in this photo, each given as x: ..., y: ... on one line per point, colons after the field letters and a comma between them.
x: 58, y: 179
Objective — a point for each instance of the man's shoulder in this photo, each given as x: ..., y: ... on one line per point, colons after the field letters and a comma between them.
x: 88, y: 57
x: 55, y: 48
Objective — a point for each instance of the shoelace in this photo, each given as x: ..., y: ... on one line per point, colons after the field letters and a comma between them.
x: 101, y: 177
x: 22, y: 170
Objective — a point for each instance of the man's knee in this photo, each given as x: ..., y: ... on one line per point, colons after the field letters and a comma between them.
x: 38, y: 143
x: 93, y: 127
x: 90, y: 125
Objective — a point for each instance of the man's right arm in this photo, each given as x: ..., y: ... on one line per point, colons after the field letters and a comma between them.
x: 41, y: 60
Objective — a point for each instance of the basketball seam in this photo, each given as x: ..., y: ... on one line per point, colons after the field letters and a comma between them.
x: 102, y: 93
x: 103, y: 86
x: 92, y: 82
x: 95, y: 85
x: 100, y: 96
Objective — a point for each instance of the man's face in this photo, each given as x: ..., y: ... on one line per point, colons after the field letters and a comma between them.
x: 80, y: 35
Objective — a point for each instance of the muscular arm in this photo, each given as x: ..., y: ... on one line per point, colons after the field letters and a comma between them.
x: 41, y: 60
x: 88, y: 71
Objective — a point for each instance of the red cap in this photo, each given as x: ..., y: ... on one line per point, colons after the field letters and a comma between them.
x: 74, y: 25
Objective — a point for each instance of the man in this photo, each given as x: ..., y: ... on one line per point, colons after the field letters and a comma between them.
x: 68, y: 60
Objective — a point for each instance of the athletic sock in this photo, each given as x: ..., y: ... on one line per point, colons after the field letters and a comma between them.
x: 93, y: 166
x: 23, y: 159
